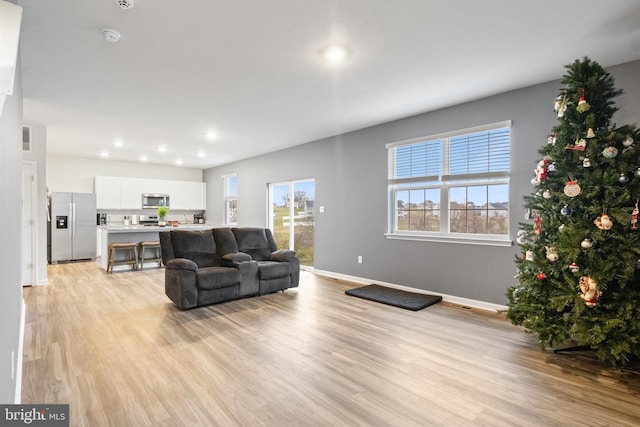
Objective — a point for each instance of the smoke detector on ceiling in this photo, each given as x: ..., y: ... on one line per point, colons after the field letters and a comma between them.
x: 125, y: 4
x: 110, y: 35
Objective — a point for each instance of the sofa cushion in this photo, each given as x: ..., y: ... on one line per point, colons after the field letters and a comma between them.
x: 225, y: 241
x: 217, y: 277
x: 196, y: 245
x: 253, y: 241
x: 272, y: 269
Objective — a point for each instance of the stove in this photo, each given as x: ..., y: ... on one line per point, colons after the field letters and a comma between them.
x: 148, y: 220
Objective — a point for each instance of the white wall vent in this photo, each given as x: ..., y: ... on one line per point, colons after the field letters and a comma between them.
x: 26, y: 138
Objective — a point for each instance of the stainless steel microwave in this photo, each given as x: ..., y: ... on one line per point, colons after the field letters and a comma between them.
x: 154, y: 201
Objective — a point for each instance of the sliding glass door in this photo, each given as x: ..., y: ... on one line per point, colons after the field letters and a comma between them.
x: 291, y: 217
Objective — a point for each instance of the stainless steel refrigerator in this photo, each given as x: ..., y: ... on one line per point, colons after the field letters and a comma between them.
x: 72, y: 227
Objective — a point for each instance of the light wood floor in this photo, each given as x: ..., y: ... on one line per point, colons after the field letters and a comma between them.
x: 116, y: 350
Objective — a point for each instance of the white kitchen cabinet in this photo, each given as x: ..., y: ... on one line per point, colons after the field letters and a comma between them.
x: 176, y: 191
x: 196, y: 193
x: 131, y: 193
x: 107, y: 189
x: 114, y: 192
x: 154, y: 186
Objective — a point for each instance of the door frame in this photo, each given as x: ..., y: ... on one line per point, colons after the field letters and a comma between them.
x: 32, y: 218
x: 291, y: 183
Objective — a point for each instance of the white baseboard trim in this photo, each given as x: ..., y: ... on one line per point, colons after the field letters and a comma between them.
x: 18, y: 392
x: 466, y: 302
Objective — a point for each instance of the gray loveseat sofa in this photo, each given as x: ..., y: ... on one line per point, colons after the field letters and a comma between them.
x: 223, y: 264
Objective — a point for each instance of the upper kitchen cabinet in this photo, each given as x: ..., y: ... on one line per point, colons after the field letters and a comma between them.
x: 107, y: 189
x: 126, y: 193
x: 177, y: 196
x: 130, y: 193
x: 196, y: 195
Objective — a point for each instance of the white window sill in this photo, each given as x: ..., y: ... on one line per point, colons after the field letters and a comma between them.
x: 502, y: 241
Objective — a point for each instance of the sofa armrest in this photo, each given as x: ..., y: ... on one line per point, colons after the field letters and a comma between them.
x: 180, y: 282
x: 181, y: 264
x: 282, y: 255
x: 236, y: 257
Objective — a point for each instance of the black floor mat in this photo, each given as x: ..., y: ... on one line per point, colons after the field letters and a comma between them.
x: 409, y: 300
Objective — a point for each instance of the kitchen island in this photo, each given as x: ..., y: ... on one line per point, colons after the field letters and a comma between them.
x: 108, y: 234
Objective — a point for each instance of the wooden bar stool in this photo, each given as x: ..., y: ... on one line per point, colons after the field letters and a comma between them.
x: 155, y: 247
x: 132, y: 255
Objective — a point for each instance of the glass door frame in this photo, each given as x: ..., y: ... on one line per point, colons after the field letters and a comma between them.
x: 270, y: 201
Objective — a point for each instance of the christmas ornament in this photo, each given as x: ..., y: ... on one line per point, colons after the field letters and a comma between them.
x: 623, y: 179
x: 579, y: 145
x: 637, y: 173
x: 628, y: 142
x: 528, y: 255
x: 537, y: 225
x: 589, y: 291
x: 586, y: 243
x: 546, y: 194
x: 562, y: 228
x: 552, y: 139
x: 552, y: 253
x: 574, y: 268
x: 603, y: 222
x: 572, y: 189
x: 591, y: 134
x: 560, y: 105
x: 552, y: 167
x: 583, y: 105
x: 541, y: 170
x: 634, y: 217
x: 541, y: 276
x: 565, y: 210
x: 610, y: 152
x: 586, y: 162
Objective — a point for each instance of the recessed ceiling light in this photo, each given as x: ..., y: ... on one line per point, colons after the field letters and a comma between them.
x: 201, y: 154
x: 104, y: 154
x: 125, y: 4
x: 335, y: 54
x: 179, y: 162
x: 143, y: 158
x: 162, y: 149
x: 211, y: 135
x: 118, y: 143
x: 110, y: 35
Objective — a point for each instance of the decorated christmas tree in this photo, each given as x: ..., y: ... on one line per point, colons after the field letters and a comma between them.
x: 579, y: 273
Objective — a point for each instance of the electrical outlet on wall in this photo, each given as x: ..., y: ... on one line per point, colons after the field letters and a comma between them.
x: 359, y: 259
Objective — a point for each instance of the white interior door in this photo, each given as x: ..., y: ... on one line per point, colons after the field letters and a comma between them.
x: 28, y: 223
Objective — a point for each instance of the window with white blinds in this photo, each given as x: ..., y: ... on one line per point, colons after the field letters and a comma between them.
x: 451, y: 185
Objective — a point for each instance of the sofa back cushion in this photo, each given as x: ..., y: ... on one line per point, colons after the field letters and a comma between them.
x: 253, y: 241
x: 225, y: 241
x: 196, y: 245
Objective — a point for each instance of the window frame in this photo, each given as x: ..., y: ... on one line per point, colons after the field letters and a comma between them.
x: 445, y: 181
x: 228, y: 199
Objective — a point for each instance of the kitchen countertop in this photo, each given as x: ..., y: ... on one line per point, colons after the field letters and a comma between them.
x: 121, y: 228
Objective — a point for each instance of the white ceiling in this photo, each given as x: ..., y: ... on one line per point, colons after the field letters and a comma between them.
x: 251, y: 69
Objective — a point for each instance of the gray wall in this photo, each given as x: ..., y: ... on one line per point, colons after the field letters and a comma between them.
x: 351, y: 182
x: 10, y: 248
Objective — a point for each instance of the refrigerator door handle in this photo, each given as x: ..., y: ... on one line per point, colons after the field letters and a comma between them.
x: 73, y: 220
